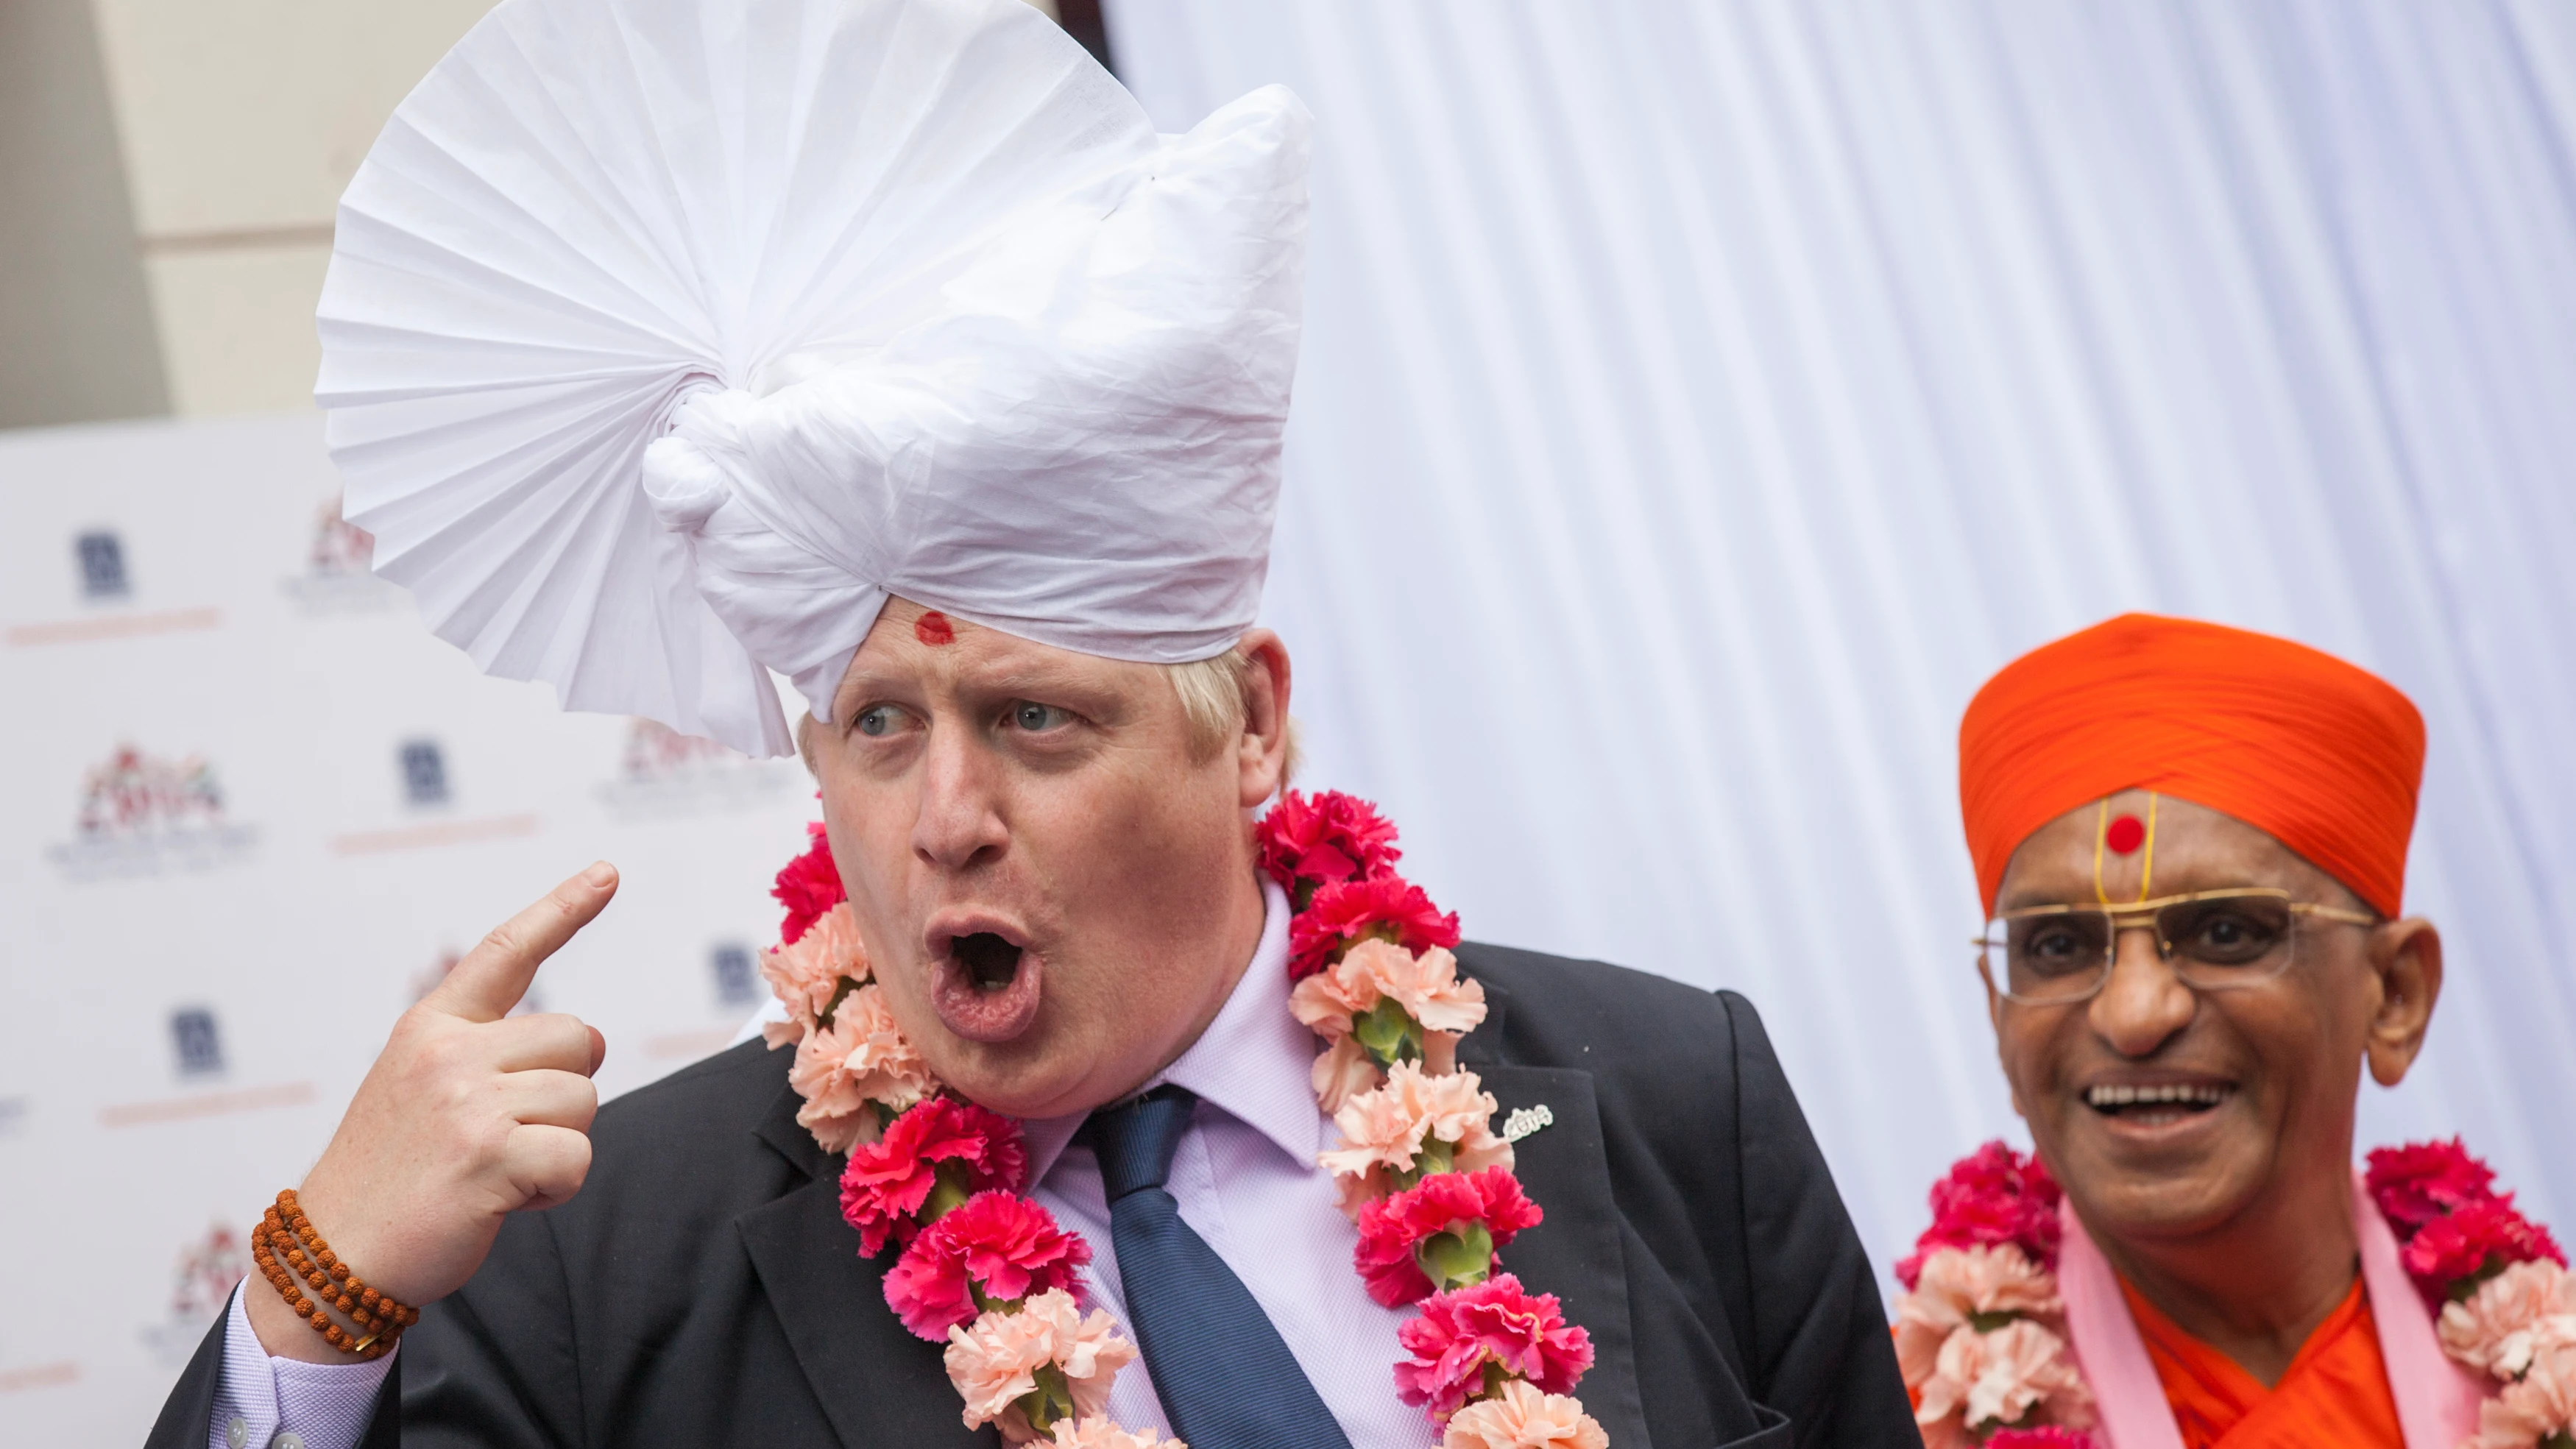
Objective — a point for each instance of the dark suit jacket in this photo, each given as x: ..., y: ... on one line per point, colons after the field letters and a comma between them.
x: 703, y: 1289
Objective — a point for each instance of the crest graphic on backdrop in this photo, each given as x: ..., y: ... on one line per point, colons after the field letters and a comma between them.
x: 202, y: 1276
x: 339, y: 575
x: 662, y: 772
x: 143, y: 815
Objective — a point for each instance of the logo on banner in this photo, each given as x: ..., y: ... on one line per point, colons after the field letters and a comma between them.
x: 102, y: 565
x: 140, y: 815
x: 201, y: 1284
x: 737, y: 977
x: 196, y: 1044
x: 424, y: 774
x: 664, y: 773
x: 339, y: 575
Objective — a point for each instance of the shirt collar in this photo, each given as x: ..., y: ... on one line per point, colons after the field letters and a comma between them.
x: 1255, y: 1061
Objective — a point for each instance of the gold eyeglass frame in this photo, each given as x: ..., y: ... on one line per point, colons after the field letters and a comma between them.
x: 2164, y: 948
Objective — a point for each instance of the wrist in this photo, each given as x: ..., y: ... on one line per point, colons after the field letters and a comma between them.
x: 281, y: 1331
x: 350, y: 1319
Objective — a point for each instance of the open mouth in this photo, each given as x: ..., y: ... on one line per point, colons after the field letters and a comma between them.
x: 987, y: 983
x: 2158, y: 1103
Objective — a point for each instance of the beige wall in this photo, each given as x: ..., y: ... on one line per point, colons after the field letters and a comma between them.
x: 76, y: 336
x: 168, y: 173
x: 241, y: 122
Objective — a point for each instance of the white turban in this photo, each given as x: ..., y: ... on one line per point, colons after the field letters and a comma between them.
x: 664, y: 339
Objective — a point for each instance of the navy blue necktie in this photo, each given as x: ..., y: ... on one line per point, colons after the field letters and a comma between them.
x: 1226, y: 1379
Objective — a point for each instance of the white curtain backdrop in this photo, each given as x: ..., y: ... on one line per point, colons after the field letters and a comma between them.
x: 1700, y: 400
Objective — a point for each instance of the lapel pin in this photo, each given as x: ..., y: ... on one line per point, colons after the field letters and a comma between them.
x: 1525, y: 1121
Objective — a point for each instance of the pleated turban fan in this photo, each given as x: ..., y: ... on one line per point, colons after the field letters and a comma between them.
x: 665, y: 339
x: 2321, y: 755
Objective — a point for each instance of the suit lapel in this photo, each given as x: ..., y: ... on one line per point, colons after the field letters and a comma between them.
x: 1576, y: 1252
x: 877, y: 1383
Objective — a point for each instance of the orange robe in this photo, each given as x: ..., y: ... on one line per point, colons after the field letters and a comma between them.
x: 2334, y: 1394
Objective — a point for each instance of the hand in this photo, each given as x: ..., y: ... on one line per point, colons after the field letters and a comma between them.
x: 468, y: 1115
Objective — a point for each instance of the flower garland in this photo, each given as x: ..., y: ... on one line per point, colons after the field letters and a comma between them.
x: 1981, y: 1330
x: 1420, y: 1171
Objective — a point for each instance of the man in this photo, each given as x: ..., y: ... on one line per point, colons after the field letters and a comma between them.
x: 1003, y: 523
x: 2191, y: 841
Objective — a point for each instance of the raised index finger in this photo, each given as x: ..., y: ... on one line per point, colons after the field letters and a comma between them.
x: 495, y: 974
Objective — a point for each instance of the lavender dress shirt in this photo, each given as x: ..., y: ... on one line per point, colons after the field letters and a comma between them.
x: 1246, y: 1180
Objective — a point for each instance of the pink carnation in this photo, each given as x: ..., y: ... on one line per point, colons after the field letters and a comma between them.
x: 1324, y: 838
x: 2421, y: 1181
x: 1004, y: 1246
x: 886, y: 1182
x: 1464, y: 1329
x: 2511, y: 1317
x: 806, y: 974
x: 2479, y: 1237
x: 1384, y: 1131
x: 1992, y: 1195
x: 1958, y: 1282
x: 1390, y: 1228
x: 1983, y: 1380
x: 1388, y: 908
x: 994, y: 1361
x: 1102, y: 1434
x: 809, y: 886
x: 2542, y: 1404
x: 1523, y: 1417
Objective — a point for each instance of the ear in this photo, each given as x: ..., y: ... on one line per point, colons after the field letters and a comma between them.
x: 1261, y: 755
x: 2407, y: 956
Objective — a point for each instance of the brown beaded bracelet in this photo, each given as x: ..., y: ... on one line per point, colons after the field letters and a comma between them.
x: 291, y: 1255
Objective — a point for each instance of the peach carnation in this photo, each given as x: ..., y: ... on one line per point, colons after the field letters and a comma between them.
x: 1522, y: 1417
x: 1957, y: 1282
x: 860, y: 1058
x: 994, y: 1361
x: 1982, y: 1380
x: 2539, y: 1407
x: 1384, y: 1131
x: 1344, y: 1070
x: 1102, y: 1434
x: 806, y: 973
x: 2512, y: 1316
x: 1426, y: 986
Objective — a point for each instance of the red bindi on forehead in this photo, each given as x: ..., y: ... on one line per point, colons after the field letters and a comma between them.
x: 933, y: 628
x: 2125, y: 835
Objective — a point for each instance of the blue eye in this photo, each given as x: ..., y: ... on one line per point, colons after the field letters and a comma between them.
x: 1032, y: 716
x: 876, y: 719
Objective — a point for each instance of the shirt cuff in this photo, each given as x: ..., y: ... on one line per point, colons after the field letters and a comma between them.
x: 283, y: 1403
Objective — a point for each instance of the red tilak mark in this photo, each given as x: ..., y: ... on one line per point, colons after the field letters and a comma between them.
x: 2125, y: 835
x: 934, y: 628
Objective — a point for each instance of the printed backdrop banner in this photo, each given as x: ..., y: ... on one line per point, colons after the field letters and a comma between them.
x: 249, y: 811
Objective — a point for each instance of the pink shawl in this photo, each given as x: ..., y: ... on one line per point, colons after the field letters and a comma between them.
x: 2437, y: 1400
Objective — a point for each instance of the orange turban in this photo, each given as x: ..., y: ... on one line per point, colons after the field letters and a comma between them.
x: 2321, y: 755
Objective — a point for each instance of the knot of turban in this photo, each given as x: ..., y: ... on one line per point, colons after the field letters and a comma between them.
x: 2321, y: 755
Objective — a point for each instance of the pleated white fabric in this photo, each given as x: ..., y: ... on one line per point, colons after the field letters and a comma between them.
x: 664, y: 338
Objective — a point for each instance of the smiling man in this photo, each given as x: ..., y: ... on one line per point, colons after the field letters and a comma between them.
x: 2192, y: 845
x: 882, y: 345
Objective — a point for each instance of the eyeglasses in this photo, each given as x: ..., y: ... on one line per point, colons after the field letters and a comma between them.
x: 2222, y: 940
